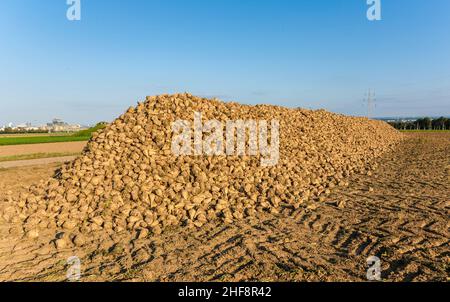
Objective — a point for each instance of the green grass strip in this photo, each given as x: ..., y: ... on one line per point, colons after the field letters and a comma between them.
x: 9, y: 141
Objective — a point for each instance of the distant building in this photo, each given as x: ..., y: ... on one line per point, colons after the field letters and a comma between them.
x: 57, y: 125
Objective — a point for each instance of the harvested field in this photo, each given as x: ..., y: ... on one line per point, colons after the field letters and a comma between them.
x: 19, y: 179
x: 67, y: 147
x: 39, y: 160
x: 404, y: 221
x: 344, y: 189
x: 33, y: 156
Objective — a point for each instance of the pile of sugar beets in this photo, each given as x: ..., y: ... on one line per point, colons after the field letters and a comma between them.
x: 128, y: 178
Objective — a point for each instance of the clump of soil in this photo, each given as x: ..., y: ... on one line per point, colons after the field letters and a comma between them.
x: 128, y: 179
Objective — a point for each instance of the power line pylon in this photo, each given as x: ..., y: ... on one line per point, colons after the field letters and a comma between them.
x: 370, y: 101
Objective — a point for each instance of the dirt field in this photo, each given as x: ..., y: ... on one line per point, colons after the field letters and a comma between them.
x: 34, y: 162
x: 68, y: 147
x: 399, y: 213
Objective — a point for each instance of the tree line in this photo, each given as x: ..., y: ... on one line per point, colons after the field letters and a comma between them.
x: 426, y: 123
x: 9, y: 130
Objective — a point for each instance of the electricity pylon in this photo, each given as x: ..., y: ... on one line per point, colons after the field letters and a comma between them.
x: 370, y: 101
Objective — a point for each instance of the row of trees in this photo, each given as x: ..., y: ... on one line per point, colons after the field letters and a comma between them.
x: 9, y: 130
x: 426, y: 123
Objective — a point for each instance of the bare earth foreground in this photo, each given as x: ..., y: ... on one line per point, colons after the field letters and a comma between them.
x: 42, y: 148
x: 399, y: 213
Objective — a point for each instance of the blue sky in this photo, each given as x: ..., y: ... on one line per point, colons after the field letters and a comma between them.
x: 302, y: 53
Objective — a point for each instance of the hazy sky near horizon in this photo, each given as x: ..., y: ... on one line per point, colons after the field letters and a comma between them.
x: 299, y: 53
